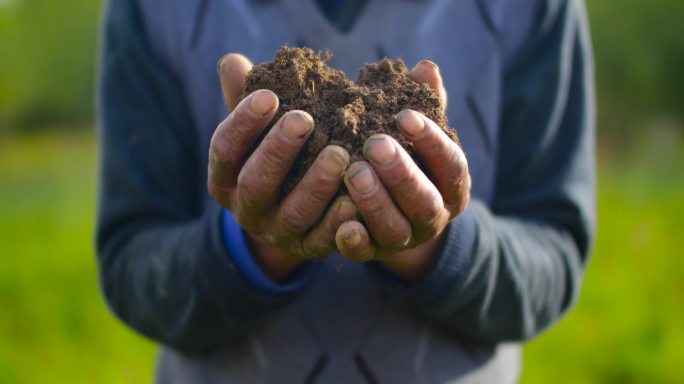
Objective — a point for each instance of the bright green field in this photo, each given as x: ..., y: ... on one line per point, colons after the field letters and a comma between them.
x: 627, y: 327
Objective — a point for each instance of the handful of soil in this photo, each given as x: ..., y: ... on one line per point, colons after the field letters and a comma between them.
x: 345, y: 112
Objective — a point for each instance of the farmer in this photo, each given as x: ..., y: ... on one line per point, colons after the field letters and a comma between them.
x: 412, y: 276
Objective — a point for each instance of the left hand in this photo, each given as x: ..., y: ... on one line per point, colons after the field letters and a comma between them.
x: 404, y: 210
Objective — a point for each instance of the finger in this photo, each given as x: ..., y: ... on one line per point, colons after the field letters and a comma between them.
x: 416, y: 196
x: 388, y: 226
x: 354, y: 243
x: 233, y: 137
x: 321, y: 239
x: 260, y: 178
x: 232, y: 69
x: 427, y: 72
x: 305, y: 205
x: 443, y: 157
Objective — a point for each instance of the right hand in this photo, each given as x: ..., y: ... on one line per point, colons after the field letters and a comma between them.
x: 300, y: 226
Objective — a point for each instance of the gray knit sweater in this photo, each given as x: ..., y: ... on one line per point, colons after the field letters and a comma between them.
x: 519, y: 79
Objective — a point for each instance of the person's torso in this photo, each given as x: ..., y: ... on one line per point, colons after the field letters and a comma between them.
x: 343, y: 329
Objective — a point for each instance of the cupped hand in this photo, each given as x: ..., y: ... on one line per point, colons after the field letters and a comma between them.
x: 303, y: 224
x: 404, y: 210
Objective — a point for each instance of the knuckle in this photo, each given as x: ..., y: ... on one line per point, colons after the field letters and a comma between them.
x: 294, y: 219
x: 463, y: 204
x: 220, y: 147
x: 430, y: 229
x: 317, y: 193
x: 373, y: 208
x: 459, y: 205
x: 457, y: 179
x: 396, y: 238
x: 240, y: 117
x: 461, y: 169
x: 236, y: 128
x: 397, y: 241
x: 273, y: 156
x: 248, y: 189
x: 459, y: 195
x: 429, y: 210
x: 219, y: 194
x: 402, y: 176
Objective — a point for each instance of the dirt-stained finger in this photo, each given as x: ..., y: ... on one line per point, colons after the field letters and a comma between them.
x: 387, y: 225
x: 412, y: 191
x: 321, y: 239
x: 427, y: 72
x: 232, y: 69
x: 306, y: 203
x: 233, y: 138
x: 354, y: 243
x: 262, y: 174
x: 443, y: 157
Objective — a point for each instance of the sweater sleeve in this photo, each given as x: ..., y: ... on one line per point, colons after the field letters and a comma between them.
x: 163, y: 266
x: 510, y: 269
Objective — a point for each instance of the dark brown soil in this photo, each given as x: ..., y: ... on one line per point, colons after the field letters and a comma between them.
x: 345, y: 112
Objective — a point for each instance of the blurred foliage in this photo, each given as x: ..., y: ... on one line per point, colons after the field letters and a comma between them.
x: 639, y: 53
x: 47, y: 51
x: 628, y: 326
x: 54, y: 326
x: 47, y: 57
x: 639, y: 60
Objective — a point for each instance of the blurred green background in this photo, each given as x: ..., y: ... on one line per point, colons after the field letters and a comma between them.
x: 628, y: 326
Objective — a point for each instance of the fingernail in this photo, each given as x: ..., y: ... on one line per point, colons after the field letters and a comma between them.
x: 410, y: 122
x: 263, y: 102
x: 380, y: 150
x: 219, y: 62
x: 296, y: 126
x: 347, y: 209
x: 430, y: 63
x: 334, y: 164
x: 362, y: 179
x: 352, y: 239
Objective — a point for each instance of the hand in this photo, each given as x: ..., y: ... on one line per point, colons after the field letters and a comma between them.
x: 405, y: 212
x: 281, y: 234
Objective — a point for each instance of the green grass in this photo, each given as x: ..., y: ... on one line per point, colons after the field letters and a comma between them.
x: 54, y: 326
x: 628, y: 326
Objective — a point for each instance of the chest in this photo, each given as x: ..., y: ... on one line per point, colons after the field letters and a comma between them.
x: 453, y: 34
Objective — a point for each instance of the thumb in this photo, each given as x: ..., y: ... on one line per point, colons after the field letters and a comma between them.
x: 232, y: 69
x: 427, y: 72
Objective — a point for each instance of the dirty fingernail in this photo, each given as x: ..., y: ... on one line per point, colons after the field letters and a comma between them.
x: 296, y: 126
x: 362, y: 179
x: 263, y: 102
x: 410, y: 123
x: 352, y: 238
x: 380, y: 150
x: 347, y: 209
x: 334, y: 164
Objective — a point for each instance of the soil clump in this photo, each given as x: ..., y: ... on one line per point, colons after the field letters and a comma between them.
x: 345, y: 112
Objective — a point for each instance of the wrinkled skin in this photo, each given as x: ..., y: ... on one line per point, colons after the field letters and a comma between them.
x: 404, y: 212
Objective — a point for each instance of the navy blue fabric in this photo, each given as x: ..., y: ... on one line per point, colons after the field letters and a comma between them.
x: 341, y: 13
